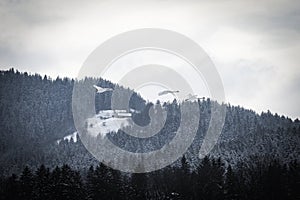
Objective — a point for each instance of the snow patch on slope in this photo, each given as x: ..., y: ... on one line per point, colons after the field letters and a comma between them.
x: 97, y: 126
x: 69, y: 137
x: 104, y: 122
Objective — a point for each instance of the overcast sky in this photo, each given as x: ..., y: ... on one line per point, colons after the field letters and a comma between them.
x: 255, y: 45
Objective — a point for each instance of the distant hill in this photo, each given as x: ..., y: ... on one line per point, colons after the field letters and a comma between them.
x: 36, y: 111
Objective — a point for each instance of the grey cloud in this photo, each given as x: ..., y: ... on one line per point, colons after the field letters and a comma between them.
x: 288, y: 98
x: 277, y: 23
x: 32, y: 13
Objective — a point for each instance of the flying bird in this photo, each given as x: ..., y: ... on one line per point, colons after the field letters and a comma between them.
x: 193, y: 97
x: 167, y: 92
x: 101, y: 90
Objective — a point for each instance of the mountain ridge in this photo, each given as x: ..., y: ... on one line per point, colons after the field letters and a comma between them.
x: 36, y: 112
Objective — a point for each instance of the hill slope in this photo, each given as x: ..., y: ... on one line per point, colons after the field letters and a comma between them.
x: 35, y: 112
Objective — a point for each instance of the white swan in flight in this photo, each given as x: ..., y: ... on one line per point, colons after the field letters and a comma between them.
x: 167, y: 92
x: 194, y: 97
x: 101, y: 90
x: 191, y: 97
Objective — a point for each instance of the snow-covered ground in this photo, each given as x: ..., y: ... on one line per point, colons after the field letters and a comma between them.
x: 98, y: 126
x: 102, y: 123
x: 69, y: 137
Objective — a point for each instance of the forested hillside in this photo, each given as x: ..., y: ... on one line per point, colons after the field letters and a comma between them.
x: 36, y: 111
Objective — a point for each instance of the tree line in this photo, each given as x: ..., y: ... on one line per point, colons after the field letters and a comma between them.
x: 213, y: 179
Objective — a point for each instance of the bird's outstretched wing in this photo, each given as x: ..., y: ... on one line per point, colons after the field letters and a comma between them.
x: 167, y: 92
x: 191, y: 97
x: 163, y: 93
x: 97, y: 87
x: 101, y: 90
